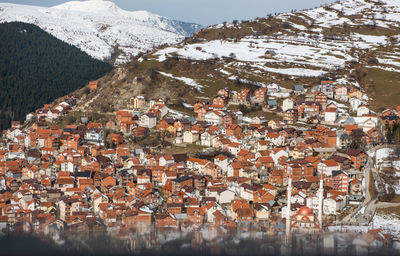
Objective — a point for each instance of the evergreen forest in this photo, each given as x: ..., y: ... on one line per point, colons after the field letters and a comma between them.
x: 36, y: 68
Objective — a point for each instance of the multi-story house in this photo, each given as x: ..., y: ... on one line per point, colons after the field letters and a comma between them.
x: 214, y: 117
x: 290, y: 116
x: 338, y: 181
x: 328, y: 166
x: 260, y: 95
x: 138, y: 102
x: 341, y: 93
x: 148, y: 120
x: 321, y: 98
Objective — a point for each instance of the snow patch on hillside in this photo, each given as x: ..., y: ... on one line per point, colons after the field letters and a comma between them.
x: 372, y: 39
x: 297, y: 50
x: 352, y: 7
x: 382, y: 154
x: 389, y: 62
x: 186, y: 80
x: 390, y: 224
x: 294, y: 71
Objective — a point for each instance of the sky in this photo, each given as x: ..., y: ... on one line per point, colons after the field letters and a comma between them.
x: 204, y: 12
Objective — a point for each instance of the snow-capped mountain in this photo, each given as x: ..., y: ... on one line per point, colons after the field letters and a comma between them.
x: 100, y: 28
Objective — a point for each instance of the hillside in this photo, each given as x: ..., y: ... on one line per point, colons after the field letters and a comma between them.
x: 354, y: 42
x: 100, y: 28
x: 37, y: 68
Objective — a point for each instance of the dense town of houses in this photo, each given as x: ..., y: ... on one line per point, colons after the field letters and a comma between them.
x: 299, y: 170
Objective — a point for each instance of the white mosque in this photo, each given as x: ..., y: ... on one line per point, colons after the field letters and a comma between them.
x: 304, y: 221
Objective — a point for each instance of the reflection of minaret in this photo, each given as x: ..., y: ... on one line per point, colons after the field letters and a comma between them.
x: 320, y: 199
x: 288, y: 205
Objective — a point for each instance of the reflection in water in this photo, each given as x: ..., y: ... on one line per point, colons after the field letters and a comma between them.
x: 204, y: 241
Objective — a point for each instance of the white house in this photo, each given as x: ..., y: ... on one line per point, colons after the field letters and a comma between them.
x: 190, y: 137
x: 333, y: 204
x: 284, y: 93
x: 341, y: 93
x: 153, y: 102
x: 273, y: 88
x: 30, y: 117
x: 13, y: 133
x: 287, y: 104
x: 368, y: 125
x: 354, y: 103
x: 178, y: 140
x: 95, y: 136
x: 366, y: 122
x: 53, y: 114
x: 16, y: 154
x: 234, y: 148
x: 214, y: 117
x: 239, y: 116
x: 206, y: 139
x: 327, y: 166
x: 164, y: 179
x: 225, y: 196
x: 330, y: 115
x: 162, y: 108
x: 223, y: 162
x: 68, y: 167
x: 362, y: 110
x: 258, y: 120
x: 343, y: 139
x: 247, y: 191
x: 211, y: 192
x: 166, y: 160
x: 262, y: 145
x: 148, y: 120
x: 210, y: 212
x: 313, y: 202
x: 275, y: 138
x: 60, y: 107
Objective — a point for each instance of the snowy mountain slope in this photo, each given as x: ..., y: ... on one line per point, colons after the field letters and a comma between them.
x: 100, y: 28
x: 106, y: 8
x: 306, y: 40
